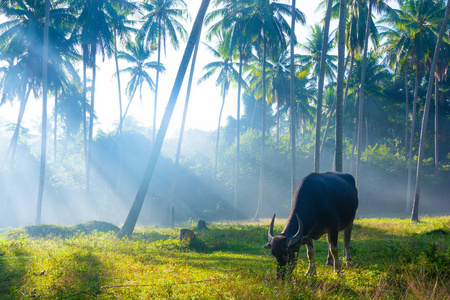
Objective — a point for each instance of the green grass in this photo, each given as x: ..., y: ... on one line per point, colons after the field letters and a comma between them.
x: 394, y: 260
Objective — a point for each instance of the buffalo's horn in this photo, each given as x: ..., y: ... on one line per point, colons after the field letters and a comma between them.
x: 298, y: 236
x: 270, y: 233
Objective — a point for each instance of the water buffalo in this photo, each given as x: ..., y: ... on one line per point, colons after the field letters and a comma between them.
x: 323, y: 203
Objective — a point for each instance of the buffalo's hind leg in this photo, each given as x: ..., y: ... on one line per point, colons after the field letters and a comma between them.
x: 347, y: 235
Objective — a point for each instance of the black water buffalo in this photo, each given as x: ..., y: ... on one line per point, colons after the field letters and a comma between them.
x: 323, y: 203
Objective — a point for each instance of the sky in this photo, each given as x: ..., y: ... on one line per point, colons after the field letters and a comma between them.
x: 205, y: 99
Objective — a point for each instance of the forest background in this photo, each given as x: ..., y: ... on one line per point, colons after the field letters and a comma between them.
x: 114, y: 154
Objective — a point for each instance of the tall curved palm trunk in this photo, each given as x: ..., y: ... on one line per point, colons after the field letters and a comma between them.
x: 44, y: 114
x: 415, y: 210
x: 11, y: 152
x: 133, y: 215
x: 216, y: 158
x: 155, y: 104
x: 263, y: 134
x: 292, y: 106
x: 238, y: 139
x: 361, y: 94
x: 340, y: 85
x: 323, y: 57
x: 411, y: 140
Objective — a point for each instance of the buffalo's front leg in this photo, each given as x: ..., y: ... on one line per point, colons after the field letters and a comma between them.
x: 310, y: 252
x: 333, y: 248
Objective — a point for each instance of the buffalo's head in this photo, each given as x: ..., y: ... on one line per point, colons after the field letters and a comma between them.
x: 284, y: 248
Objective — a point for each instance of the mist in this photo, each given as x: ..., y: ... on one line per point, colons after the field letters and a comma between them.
x: 198, y: 195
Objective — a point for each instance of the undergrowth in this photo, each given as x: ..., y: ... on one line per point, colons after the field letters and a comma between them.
x: 394, y: 260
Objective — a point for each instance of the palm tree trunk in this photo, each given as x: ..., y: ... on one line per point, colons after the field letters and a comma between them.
x: 119, y: 172
x: 91, y: 125
x: 320, y: 87
x: 157, y: 83
x: 15, y: 138
x: 330, y: 115
x: 130, y: 222
x: 423, y: 131
x: 118, y: 82
x: 44, y: 114
x: 216, y: 159
x: 278, y: 117
x: 340, y: 85
x: 292, y: 103
x: 263, y: 135
x: 411, y: 140
x: 84, y: 109
x: 436, y: 127
x: 406, y: 112
x: 122, y: 119
x: 347, y: 84
x: 238, y: 140
x: 180, y: 139
x: 361, y: 95
x: 55, y: 129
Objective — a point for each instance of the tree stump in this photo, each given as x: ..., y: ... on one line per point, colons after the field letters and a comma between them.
x: 186, y: 236
x: 201, y: 224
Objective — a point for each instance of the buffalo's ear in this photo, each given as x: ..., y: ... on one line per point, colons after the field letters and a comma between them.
x: 267, y: 246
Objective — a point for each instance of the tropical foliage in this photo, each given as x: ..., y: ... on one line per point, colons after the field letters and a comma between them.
x: 388, y: 60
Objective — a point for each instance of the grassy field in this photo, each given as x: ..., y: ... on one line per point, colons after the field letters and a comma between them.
x: 393, y: 260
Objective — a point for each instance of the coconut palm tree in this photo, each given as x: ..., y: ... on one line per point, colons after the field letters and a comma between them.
x: 225, y: 67
x: 340, y: 86
x: 311, y: 60
x: 43, y: 157
x: 130, y: 222
x: 137, y: 56
x: 96, y: 25
x: 22, y: 46
x: 161, y: 20
x: 443, y: 28
x: 233, y: 15
x: 418, y: 23
x: 323, y: 56
x: 269, y: 28
x: 381, y: 6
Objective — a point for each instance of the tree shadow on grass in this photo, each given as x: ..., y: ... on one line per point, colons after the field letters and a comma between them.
x: 82, y: 274
x: 12, y: 273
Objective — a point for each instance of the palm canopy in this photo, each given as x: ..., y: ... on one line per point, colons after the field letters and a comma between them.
x: 162, y: 19
x: 377, y: 77
x: 21, y: 44
x: 97, y: 21
x: 313, y: 48
x: 224, y: 64
x: 419, y: 22
x: 138, y: 56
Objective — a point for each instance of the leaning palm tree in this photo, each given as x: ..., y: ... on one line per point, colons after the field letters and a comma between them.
x: 130, y: 222
x: 226, y: 70
x: 162, y: 21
